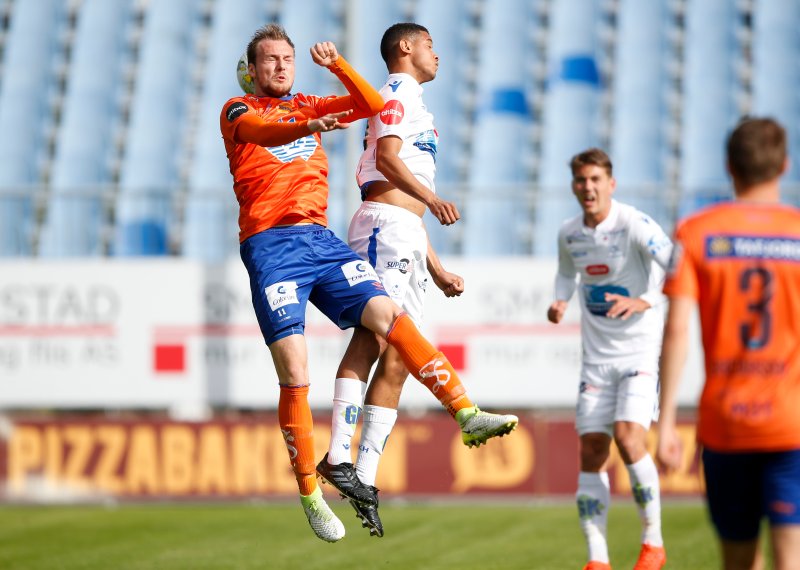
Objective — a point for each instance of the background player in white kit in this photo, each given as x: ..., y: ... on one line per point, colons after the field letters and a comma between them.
x: 616, y: 251
x: 396, y: 178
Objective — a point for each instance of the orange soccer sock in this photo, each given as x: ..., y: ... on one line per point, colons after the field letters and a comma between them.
x: 428, y: 365
x: 297, y: 427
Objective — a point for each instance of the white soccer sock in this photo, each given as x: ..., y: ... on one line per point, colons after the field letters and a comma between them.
x: 348, y: 396
x: 593, y: 498
x: 378, y: 424
x: 647, y: 494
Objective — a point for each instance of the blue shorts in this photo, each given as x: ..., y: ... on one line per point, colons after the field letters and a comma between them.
x: 289, y: 266
x: 743, y: 488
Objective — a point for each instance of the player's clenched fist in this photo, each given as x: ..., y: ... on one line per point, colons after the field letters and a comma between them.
x: 324, y: 53
x: 556, y: 311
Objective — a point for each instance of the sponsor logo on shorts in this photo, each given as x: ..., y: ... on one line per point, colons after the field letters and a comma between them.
x: 402, y: 265
x: 392, y: 113
x: 281, y: 294
x: 359, y: 271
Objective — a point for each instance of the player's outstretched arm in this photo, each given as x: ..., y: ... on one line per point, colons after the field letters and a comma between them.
x: 363, y: 98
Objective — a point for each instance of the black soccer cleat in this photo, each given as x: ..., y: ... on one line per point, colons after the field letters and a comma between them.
x: 368, y: 515
x: 343, y: 477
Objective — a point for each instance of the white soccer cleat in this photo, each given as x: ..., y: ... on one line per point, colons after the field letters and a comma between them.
x: 478, y: 426
x: 323, y: 522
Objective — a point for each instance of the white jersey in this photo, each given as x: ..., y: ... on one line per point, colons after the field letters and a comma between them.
x: 627, y: 254
x: 405, y: 116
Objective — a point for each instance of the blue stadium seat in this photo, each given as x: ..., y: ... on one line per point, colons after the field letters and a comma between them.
x: 639, y: 138
x: 571, y: 111
x: 149, y: 169
x: 371, y: 19
x: 710, y: 107
x: 32, y: 37
x: 16, y: 223
x: 209, y: 232
x: 495, y: 216
x: 75, y: 225
x: 446, y: 21
x: 307, y: 27
x: 776, y: 74
x: 75, y: 221
x: 30, y: 46
x: 143, y: 223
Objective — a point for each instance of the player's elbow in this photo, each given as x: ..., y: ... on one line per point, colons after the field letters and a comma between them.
x: 383, y: 162
x: 374, y: 102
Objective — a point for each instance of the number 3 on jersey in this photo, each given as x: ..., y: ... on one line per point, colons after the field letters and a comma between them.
x: 755, y: 332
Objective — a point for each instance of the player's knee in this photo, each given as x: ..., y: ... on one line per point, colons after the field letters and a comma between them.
x: 594, y: 451
x: 631, y: 446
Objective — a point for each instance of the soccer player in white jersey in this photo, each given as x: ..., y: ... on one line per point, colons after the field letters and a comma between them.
x: 618, y: 255
x: 395, y: 175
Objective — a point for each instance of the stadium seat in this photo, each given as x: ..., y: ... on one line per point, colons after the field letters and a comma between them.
x: 307, y: 27
x: 371, y: 19
x: 445, y: 97
x: 571, y: 111
x: 209, y: 232
x: 155, y: 133
x: 638, y: 135
x: 16, y: 223
x: 24, y: 92
x: 495, y: 216
x: 776, y: 75
x: 75, y: 223
x: 709, y: 103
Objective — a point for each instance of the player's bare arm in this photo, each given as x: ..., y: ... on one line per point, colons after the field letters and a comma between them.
x: 556, y: 311
x: 673, y: 357
x: 625, y: 307
x: 410, y: 193
x: 451, y: 285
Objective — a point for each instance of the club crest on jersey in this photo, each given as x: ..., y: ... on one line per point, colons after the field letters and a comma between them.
x: 359, y: 271
x: 303, y: 148
x: 392, y: 113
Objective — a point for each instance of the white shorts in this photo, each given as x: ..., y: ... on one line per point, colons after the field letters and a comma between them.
x: 626, y: 391
x: 394, y: 242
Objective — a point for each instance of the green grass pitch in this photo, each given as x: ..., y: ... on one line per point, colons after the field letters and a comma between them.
x: 446, y: 535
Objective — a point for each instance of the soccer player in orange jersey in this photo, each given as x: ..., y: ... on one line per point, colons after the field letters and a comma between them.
x: 279, y: 168
x: 740, y: 263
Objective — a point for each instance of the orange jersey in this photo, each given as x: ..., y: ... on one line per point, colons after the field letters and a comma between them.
x: 741, y: 262
x: 279, y: 168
